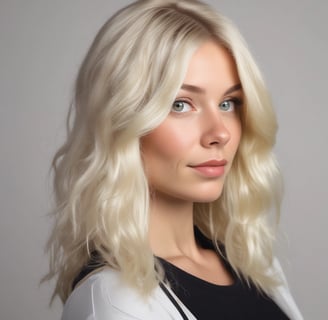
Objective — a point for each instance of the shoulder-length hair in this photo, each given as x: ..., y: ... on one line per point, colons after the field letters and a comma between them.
x: 124, y: 89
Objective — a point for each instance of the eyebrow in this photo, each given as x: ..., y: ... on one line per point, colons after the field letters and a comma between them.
x: 196, y: 89
x: 234, y: 88
x: 190, y: 87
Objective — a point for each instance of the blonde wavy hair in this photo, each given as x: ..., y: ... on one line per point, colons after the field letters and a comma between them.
x: 124, y: 89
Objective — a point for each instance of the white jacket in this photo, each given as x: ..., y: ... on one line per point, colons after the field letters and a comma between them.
x: 104, y: 296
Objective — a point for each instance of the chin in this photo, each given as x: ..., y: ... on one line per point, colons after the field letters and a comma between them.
x: 207, y: 197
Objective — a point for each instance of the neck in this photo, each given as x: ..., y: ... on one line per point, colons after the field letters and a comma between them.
x: 171, y: 227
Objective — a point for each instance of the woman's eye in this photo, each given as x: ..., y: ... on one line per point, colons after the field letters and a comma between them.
x: 228, y: 105
x: 180, y: 106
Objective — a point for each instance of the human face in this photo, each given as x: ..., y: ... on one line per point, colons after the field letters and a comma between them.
x: 189, y: 155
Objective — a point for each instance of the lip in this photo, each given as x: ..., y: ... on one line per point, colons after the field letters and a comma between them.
x: 211, y: 168
x: 211, y: 163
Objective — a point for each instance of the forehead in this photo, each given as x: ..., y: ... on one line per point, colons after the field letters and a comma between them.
x: 211, y: 66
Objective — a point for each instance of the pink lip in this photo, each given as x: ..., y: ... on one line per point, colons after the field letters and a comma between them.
x: 211, y: 163
x: 211, y: 169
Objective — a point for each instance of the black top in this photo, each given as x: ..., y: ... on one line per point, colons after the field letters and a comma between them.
x: 209, y: 301
x: 206, y: 300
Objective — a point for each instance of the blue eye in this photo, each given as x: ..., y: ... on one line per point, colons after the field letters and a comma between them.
x: 229, y: 105
x: 180, y: 106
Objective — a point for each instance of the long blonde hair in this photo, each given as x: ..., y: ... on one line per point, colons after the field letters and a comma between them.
x: 125, y: 88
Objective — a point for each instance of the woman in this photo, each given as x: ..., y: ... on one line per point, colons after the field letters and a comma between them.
x: 165, y: 180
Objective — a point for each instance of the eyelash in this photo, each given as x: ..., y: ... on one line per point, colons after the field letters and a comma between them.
x: 237, y: 103
x: 181, y: 101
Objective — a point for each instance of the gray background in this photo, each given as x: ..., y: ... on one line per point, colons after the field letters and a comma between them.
x: 42, y: 43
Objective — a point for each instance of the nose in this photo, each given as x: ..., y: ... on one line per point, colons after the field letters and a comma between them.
x: 215, y: 130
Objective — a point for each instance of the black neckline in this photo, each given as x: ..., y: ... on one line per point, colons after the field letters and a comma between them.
x: 205, y: 243
x: 171, y: 269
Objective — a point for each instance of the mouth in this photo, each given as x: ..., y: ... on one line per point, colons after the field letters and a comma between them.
x: 210, y: 169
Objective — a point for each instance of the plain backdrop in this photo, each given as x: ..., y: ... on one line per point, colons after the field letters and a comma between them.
x: 42, y: 43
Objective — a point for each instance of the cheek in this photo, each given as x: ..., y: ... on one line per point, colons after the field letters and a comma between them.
x: 236, y: 132
x: 237, y: 136
x: 235, y: 146
x: 166, y: 143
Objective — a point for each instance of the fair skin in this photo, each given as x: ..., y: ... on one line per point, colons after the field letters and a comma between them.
x: 188, y: 157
